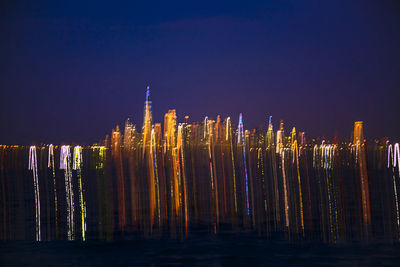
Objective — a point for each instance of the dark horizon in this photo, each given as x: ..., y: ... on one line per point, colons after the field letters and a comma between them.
x: 73, y: 71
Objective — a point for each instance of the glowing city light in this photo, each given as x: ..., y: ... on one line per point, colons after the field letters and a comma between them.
x: 170, y: 179
x: 77, y: 165
x: 32, y: 165
x: 51, y: 165
x: 243, y: 146
x: 65, y: 164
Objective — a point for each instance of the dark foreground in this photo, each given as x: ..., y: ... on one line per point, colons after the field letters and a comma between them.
x: 223, y: 250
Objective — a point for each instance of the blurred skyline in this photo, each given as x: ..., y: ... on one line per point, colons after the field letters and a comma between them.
x: 71, y: 71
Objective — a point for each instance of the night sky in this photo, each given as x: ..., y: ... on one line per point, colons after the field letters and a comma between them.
x: 71, y: 71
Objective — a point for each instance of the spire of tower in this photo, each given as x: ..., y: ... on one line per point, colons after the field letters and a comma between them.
x: 148, y: 94
x: 147, y: 120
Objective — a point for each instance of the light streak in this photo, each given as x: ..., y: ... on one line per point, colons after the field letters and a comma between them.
x: 170, y: 151
x: 295, y: 156
x: 213, y: 169
x: 205, y: 129
x: 156, y: 180
x: 279, y: 141
x: 229, y: 134
x: 242, y: 143
x: 181, y: 156
x: 77, y: 165
x: 315, y: 153
x: 52, y: 166
x: 32, y: 165
x: 272, y: 156
x: 65, y: 164
x: 285, y: 191
x: 130, y: 143
x: 360, y: 157
x: 260, y: 167
x: 394, y: 159
x: 209, y: 141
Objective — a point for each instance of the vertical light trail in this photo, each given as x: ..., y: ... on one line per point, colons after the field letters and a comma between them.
x: 103, y: 203
x: 65, y: 164
x: 156, y: 180
x: 207, y: 137
x: 326, y: 163
x: 32, y: 165
x: 393, y: 156
x: 152, y: 180
x: 177, y: 181
x: 229, y: 137
x: 77, y: 165
x: 165, y: 164
x: 322, y: 154
x: 147, y: 155
x: 205, y: 128
x: 390, y: 154
x: 315, y: 153
x: 223, y: 178
x: 318, y: 165
x: 241, y: 141
x: 396, y: 162
x: 332, y: 150
x: 279, y: 141
x: 181, y: 156
x: 272, y: 155
x: 295, y: 156
x: 360, y: 156
x: 396, y: 158
x: 260, y: 167
x: 3, y: 210
x: 279, y: 138
x: 129, y: 153
x: 52, y: 166
x: 178, y: 166
x: 285, y: 193
x: 170, y: 150
x: 211, y: 135
x: 325, y: 153
x: 116, y: 154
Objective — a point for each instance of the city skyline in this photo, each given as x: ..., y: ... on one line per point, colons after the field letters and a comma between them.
x: 72, y: 71
x: 148, y: 125
x: 171, y: 180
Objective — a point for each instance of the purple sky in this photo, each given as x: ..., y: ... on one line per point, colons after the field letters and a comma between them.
x: 70, y: 71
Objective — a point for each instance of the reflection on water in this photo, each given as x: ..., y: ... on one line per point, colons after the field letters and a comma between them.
x: 204, y: 177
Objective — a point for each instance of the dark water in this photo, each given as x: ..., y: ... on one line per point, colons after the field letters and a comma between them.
x: 200, y: 249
